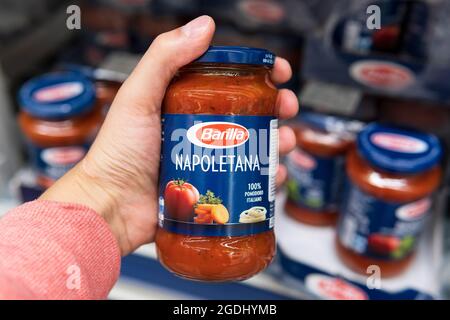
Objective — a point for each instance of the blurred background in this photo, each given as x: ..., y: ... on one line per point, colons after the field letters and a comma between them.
x: 345, y: 73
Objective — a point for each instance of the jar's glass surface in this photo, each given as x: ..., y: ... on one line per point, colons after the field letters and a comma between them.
x: 389, y: 187
x: 51, y: 134
x: 204, y: 88
x: 326, y: 145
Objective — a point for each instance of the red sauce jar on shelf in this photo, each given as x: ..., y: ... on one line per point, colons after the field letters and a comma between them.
x: 59, y: 118
x: 391, y: 179
x: 316, y: 167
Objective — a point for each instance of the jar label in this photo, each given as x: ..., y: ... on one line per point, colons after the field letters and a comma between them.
x: 54, y: 162
x: 314, y: 182
x: 398, y: 142
x: 217, y: 175
x: 59, y: 92
x: 380, y: 229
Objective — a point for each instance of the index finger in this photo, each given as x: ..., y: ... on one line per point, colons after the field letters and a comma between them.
x: 281, y: 71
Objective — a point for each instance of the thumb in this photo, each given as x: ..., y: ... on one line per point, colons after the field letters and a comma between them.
x: 146, y: 85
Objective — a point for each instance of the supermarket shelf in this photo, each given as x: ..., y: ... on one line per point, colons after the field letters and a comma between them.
x: 150, y: 273
x: 144, y: 267
x: 129, y: 289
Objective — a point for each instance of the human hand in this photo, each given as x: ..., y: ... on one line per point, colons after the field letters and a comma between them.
x: 119, y: 176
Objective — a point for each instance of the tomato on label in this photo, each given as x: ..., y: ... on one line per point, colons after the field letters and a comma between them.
x: 383, y: 244
x: 179, y: 200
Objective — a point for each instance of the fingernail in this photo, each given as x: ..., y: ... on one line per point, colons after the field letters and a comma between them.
x: 196, y: 27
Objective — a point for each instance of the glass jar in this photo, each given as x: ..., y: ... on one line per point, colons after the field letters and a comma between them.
x: 316, y: 168
x: 105, y: 93
x: 60, y: 119
x: 391, y: 178
x: 218, y: 167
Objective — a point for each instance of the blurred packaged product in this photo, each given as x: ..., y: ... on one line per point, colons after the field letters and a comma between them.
x: 147, y: 26
x: 101, y: 17
x: 105, y: 29
x: 97, y: 45
x: 105, y: 92
x: 418, y: 28
x: 392, y: 176
x: 263, y: 15
x: 307, y: 261
x: 107, y: 82
x: 316, y: 167
x: 177, y: 7
x: 406, y: 58
x: 59, y: 118
x: 402, y: 29
x: 124, y: 6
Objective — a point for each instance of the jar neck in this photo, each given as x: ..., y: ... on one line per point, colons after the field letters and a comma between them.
x: 394, y: 174
x: 225, y: 69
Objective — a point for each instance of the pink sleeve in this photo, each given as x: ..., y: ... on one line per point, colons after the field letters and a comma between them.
x: 52, y: 250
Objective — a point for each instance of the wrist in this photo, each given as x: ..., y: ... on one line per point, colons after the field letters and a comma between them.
x: 81, y: 188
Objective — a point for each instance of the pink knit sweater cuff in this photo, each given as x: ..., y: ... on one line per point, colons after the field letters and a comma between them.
x: 53, y: 250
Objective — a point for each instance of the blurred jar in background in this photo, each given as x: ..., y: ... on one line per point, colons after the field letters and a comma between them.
x: 59, y: 118
x: 105, y: 92
x: 147, y: 26
x: 403, y: 28
x: 107, y: 82
x: 316, y: 168
x: 105, y: 29
x: 391, y: 179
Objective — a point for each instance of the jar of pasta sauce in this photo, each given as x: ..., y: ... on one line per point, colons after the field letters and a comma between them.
x: 391, y: 178
x: 59, y: 118
x: 106, y: 91
x: 218, y: 167
x: 316, y: 167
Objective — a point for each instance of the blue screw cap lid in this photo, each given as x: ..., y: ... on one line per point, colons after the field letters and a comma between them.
x: 56, y: 96
x: 330, y: 124
x: 238, y: 55
x: 399, y: 150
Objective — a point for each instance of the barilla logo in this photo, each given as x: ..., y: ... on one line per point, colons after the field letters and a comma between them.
x: 415, y: 210
x: 218, y: 135
x: 59, y: 92
x: 380, y: 74
x: 63, y: 155
x: 398, y: 142
x: 331, y: 288
x: 302, y: 159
